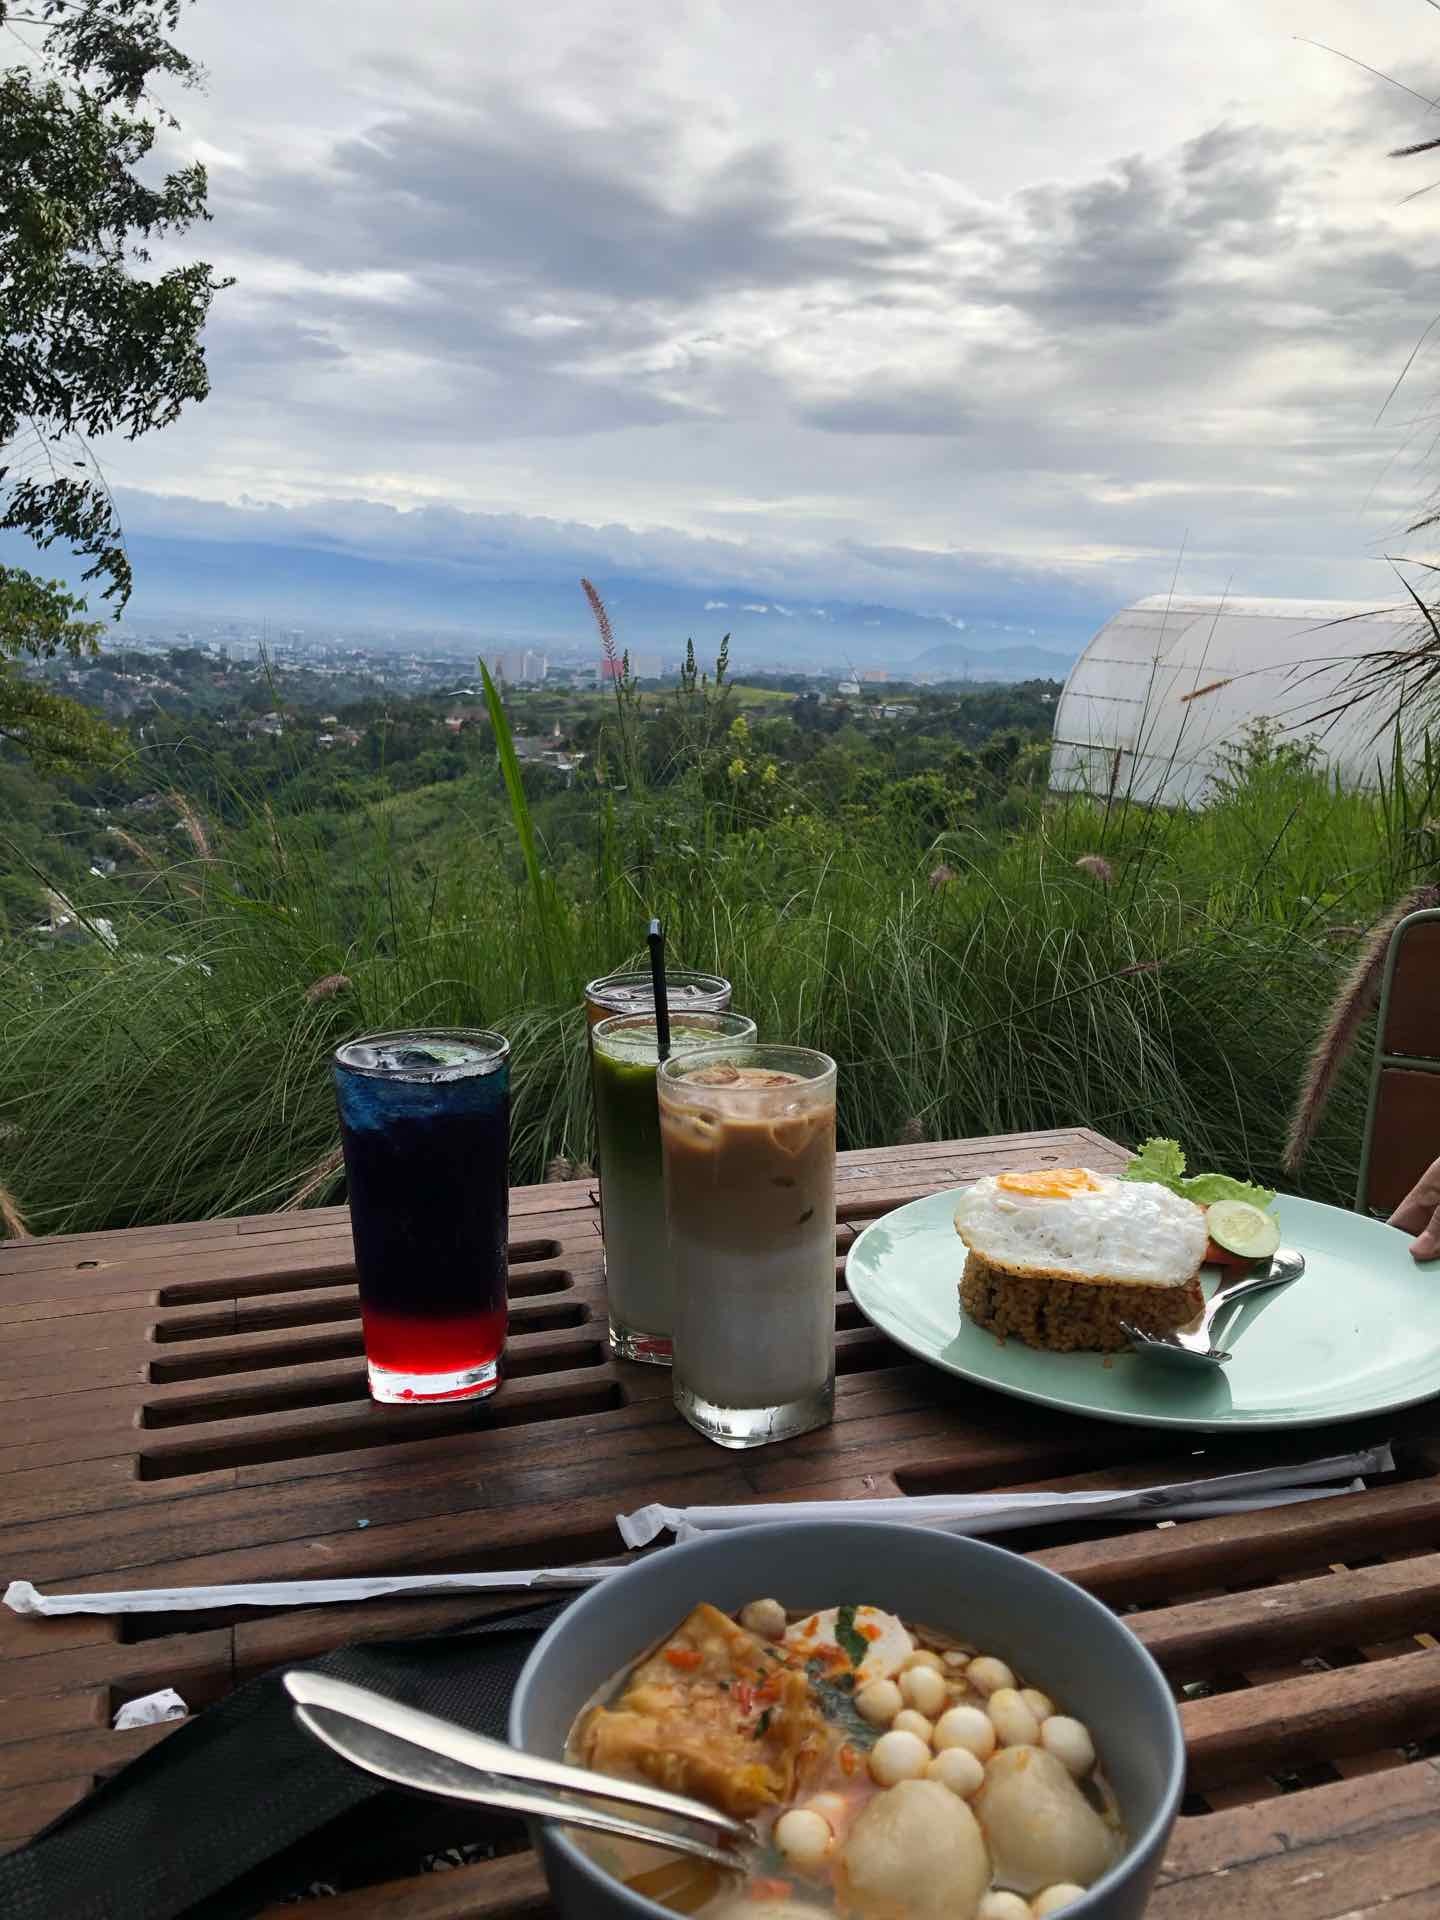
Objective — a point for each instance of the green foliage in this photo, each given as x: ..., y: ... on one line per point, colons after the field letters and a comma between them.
x: 1030, y: 964
x: 1171, y: 986
x: 97, y: 340
x: 541, y: 889
x: 51, y: 729
x: 38, y: 620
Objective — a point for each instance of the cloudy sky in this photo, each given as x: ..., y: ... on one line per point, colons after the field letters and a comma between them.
x: 872, y: 297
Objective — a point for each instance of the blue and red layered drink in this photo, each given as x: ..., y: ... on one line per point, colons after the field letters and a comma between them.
x: 425, y: 1125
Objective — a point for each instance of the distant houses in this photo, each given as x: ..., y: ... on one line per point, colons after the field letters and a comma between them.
x: 533, y: 750
x: 66, y: 926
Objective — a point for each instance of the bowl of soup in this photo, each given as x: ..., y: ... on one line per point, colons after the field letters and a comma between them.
x: 916, y: 1726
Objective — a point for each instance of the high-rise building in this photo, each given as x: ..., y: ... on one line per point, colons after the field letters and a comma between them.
x: 520, y: 667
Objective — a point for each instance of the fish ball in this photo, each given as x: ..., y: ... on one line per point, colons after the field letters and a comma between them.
x: 833, y: 1808
x: 1070, y: 1743
x: 1040, y: 1704
x: 921, y: 1657
x: 879, y: 1702
x: 959, y: 1770
x: 966, y: 1727
x: 955, y: 1660
x: 1054, y: 1898
x: 765, y: 1618
x: 909, y: 1721
x: 1042, y: 1830
x: 986, y: 1674
x: 918, y: 1850
x: 804, y: 1838
x: 1014, y: 1722
x: 1003, y: 1906
x: 924, y: 1689
x: 898, y: 1756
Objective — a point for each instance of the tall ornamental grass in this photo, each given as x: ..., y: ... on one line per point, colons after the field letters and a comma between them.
x: 1109, y: 966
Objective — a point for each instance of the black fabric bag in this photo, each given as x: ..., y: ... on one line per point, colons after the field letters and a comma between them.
x: 240, y: 1806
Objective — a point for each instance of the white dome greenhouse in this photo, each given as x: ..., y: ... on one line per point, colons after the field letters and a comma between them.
x: 1168, y: 684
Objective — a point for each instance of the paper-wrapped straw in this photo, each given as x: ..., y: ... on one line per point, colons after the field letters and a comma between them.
x: 975, y: 1513
x: 1196, y: 1510
x: 22, y: 1598
x: 981, y: 1513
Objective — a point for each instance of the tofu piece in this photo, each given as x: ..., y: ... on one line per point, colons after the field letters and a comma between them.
x: 889, y: 1640
x: 713, y: 1713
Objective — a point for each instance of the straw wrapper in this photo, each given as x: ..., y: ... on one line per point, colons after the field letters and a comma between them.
x: 22, y: 1598
x: 973, y: 1513
x: 981, y: 1513
x: 150, y: 1710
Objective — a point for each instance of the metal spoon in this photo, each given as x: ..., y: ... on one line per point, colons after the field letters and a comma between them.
x: 431, y: 1755
x: 1190, y: 1346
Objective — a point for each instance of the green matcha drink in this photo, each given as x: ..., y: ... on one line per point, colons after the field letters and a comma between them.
x: 638, y: 1269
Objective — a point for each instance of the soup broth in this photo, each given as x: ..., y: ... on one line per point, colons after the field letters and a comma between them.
x: 889, y: 1772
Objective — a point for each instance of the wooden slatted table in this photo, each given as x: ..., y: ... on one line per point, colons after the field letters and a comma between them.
x: 186, y: 1404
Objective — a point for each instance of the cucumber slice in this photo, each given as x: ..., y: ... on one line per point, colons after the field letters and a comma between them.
x: 1243, y: 1229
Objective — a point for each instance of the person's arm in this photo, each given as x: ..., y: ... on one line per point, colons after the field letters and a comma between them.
x: 1419, y: 1213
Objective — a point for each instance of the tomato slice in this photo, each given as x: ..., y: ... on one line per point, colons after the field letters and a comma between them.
x: 1222, y: 1257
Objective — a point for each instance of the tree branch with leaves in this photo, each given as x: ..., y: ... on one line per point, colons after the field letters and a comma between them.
x: 98, y: 338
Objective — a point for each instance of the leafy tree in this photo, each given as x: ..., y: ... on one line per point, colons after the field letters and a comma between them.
x: 97, y: 339
x: 39, y: 619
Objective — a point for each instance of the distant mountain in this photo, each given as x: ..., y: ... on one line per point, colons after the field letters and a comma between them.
x: 651, y: 617
x: 1018, y: 660
x: 1012, y: 627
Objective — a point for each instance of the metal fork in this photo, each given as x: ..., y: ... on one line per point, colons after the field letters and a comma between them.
x: 431, y: 1755
x: 1190, y: 1346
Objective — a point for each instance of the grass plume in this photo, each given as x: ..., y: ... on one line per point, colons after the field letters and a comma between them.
x: 12, y: 1221
x: 1352, y: 1006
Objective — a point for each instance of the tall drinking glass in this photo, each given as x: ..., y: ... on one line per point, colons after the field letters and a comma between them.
x: 685, y: 992
x: 748, y: 1135
x: 638, y: 1268
x: 616, y: 993
x: 425, y: 1125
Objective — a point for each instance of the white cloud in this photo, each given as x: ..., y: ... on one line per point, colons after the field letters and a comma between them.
x: 711, y: 605
x: 754, y: 606
x: 910, y: 293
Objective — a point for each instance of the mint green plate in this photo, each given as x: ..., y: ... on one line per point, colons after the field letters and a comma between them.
x: 1357, y: 1333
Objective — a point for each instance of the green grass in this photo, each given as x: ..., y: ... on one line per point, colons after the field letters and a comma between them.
x: 185, y: 1075
x: 750, y: 696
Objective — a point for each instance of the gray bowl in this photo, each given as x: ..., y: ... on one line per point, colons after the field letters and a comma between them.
x: 1053, y: 1633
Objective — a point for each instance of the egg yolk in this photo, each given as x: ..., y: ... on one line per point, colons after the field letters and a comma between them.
x: 1054, y: 1183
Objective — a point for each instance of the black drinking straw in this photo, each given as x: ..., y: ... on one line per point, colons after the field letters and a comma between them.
x: 655, y: 939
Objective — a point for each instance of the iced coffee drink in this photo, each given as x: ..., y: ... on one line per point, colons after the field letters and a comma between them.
x: 638, y: 1268
x: 749, y: 1142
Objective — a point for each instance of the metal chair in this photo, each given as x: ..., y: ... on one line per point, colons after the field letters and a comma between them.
x: 1402, y: 1117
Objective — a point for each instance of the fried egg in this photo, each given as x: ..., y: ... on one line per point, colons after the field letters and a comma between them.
x: 1084, y: 1226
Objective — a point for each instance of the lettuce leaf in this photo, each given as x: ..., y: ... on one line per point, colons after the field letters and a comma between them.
x: 1206, y: 1188
x: 1163, y: 1162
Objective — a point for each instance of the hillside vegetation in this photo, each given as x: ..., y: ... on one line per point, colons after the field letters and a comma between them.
x: 978, y: 958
